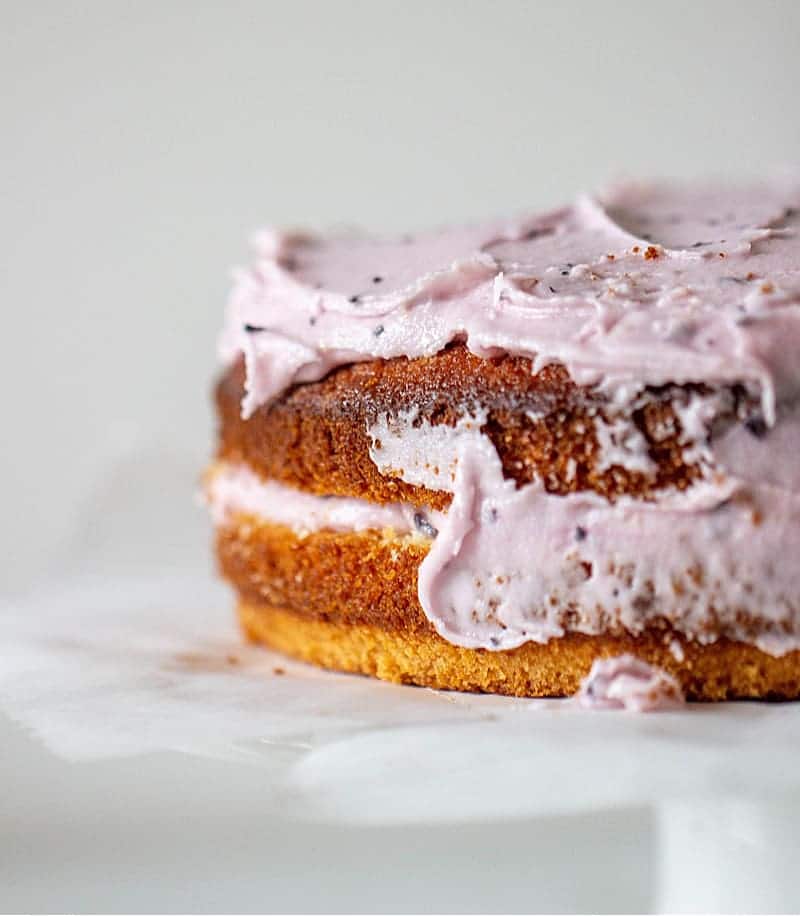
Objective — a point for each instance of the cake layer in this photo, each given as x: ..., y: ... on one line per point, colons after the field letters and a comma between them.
x: 317, y: 436
x: 725, y: 670
x: 356, y: 577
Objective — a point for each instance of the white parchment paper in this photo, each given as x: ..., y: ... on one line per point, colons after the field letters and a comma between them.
x: 133, y: 648
x: 100, y: 667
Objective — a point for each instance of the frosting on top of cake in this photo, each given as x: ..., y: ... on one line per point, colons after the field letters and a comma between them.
x: 645, y: 284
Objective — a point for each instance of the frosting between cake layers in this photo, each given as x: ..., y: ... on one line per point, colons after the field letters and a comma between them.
x: 233, y: 490
x: 507, y: 565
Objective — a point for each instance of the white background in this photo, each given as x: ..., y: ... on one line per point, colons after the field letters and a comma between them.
x: 141, y: 144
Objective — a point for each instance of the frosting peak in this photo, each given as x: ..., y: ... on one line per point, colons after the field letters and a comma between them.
x: 652, y: 283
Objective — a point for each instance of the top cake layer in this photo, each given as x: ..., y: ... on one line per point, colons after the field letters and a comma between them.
x: 644, y: 285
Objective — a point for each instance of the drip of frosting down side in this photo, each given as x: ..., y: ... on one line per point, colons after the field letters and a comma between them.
x: 626, y: 682
x: 647, y: 284
x: 511, y: 565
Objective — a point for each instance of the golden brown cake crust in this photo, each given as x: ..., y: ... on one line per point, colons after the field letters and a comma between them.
x: 348, y: 601
x: 352, y: 577
x: 723, y: 671
x: 315, y: 436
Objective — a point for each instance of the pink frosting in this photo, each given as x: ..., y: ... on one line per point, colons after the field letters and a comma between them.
x: 512, y: 565
x: 626, y: 682
x: 233, y: 489
x: 643, y: 286
x: 647, y: 284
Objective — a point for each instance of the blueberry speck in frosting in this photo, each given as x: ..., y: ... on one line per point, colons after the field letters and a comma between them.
x: 564, y: 273
x: 424, y: 526
x: 252, y: 328
x: 379, y: 330
x: 551, y: 289
x: 757, y: 427
x: 377, y: 279
x: 312, y: 320
x: 580, y: 533
x: 353, y: 299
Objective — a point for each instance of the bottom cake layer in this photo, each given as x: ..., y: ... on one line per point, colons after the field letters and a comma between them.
x: 723, y: 670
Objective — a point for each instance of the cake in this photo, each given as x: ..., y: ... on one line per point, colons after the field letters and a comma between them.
x: 487, y: 459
